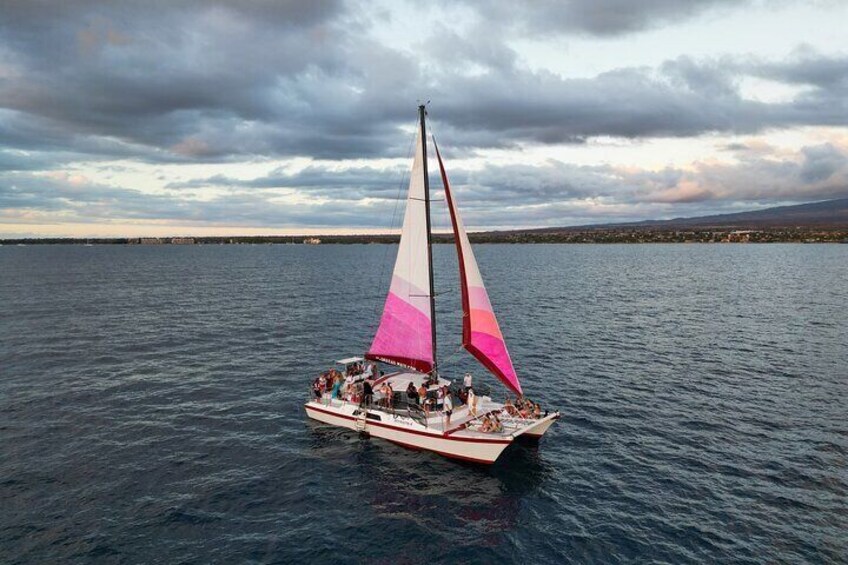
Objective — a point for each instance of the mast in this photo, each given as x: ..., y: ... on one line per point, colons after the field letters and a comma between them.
x: 422, y: 111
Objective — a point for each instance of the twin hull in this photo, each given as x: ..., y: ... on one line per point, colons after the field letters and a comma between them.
x: 404, y: 432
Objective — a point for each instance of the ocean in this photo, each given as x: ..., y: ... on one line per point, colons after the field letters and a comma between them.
x: 151, y: 407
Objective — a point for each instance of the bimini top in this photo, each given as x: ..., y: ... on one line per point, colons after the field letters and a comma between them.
x: 350, y: 360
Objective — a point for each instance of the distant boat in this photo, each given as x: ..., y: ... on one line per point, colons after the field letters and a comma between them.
x: 477, y: 430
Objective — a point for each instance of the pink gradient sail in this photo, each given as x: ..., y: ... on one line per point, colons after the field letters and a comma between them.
x: 405, y: 333
x: 481, y: 335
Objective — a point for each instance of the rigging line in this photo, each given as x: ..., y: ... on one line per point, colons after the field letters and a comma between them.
x: 449, y: 358
x: 375, y: 323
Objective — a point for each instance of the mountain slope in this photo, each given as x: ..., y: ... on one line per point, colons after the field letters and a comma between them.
x: 827, y: 214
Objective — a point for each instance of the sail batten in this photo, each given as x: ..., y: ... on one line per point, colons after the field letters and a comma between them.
x: 481, y: 334
x: 405, y: 334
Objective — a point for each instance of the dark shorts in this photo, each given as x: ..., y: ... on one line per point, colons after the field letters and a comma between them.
x: 448, y: 412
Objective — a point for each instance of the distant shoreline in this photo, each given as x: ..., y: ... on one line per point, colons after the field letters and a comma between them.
x: 565, y: 235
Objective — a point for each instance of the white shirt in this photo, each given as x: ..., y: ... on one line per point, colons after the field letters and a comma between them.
x: 448, y: 405
x: 467, y: 381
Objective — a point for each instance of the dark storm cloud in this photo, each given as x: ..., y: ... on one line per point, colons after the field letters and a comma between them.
x: 592, y: 17
x: 822, y: 162
x: 198, y: 81
x: 346, y: 183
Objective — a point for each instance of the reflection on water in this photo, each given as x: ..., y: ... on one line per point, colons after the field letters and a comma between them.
x: 475, y: 504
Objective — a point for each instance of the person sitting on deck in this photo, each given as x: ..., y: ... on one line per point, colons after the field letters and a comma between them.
x: 537, y: 411
x: 486, y: 426
x: 412, y: 394
x: 509, y: 408
x: 316, y: 388
x: 497, y: 426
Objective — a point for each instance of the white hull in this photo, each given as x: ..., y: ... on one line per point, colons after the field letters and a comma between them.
x: 537, y: 431
x: 407, y: 433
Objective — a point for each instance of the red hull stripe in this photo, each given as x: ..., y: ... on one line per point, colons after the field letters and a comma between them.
x: 416, y: 432
x: 442, y: 453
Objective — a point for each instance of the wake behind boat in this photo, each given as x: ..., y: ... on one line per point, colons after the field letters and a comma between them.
x: 415, y: 406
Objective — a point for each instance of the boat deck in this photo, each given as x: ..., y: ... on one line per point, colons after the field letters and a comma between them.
x: 462, y: 422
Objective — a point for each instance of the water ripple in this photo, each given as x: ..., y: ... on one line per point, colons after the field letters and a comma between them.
x: 150, y: 408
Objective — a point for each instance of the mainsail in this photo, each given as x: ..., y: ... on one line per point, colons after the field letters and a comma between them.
x: 481, y: 335
x: 405, y: 333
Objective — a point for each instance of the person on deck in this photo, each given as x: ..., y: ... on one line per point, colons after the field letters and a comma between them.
x: 447, y: 406
x: 337, y: 385
x: 428, y: 405
x: 423, y: 400
x: 387, y: 392
x: 412, y: 394
x: 472, y: 402
x: 497, y: 427
x: 466, y: 381
x: 367, y: 393
x: 486, y: 426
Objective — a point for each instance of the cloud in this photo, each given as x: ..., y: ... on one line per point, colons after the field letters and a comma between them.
x: 551, y: 193
x: 194, y: 83
x: 593, y: 17
x: 200, y: 82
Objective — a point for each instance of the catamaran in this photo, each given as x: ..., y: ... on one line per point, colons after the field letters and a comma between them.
x: 408, y: 406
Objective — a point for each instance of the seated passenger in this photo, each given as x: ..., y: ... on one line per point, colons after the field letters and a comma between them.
x: 537, y: 411
x: 412, y: 394
x: 497, y: 427
x: 509, y: 408
x: 486, y: 426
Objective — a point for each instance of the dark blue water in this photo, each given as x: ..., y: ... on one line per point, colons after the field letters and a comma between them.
x: 151, y: 408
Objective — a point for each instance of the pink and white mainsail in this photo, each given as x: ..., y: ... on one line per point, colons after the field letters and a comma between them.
x: 481, y: 334
x: 405, y: 333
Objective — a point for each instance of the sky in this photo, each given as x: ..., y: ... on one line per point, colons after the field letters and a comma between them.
x: 286, y: 117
